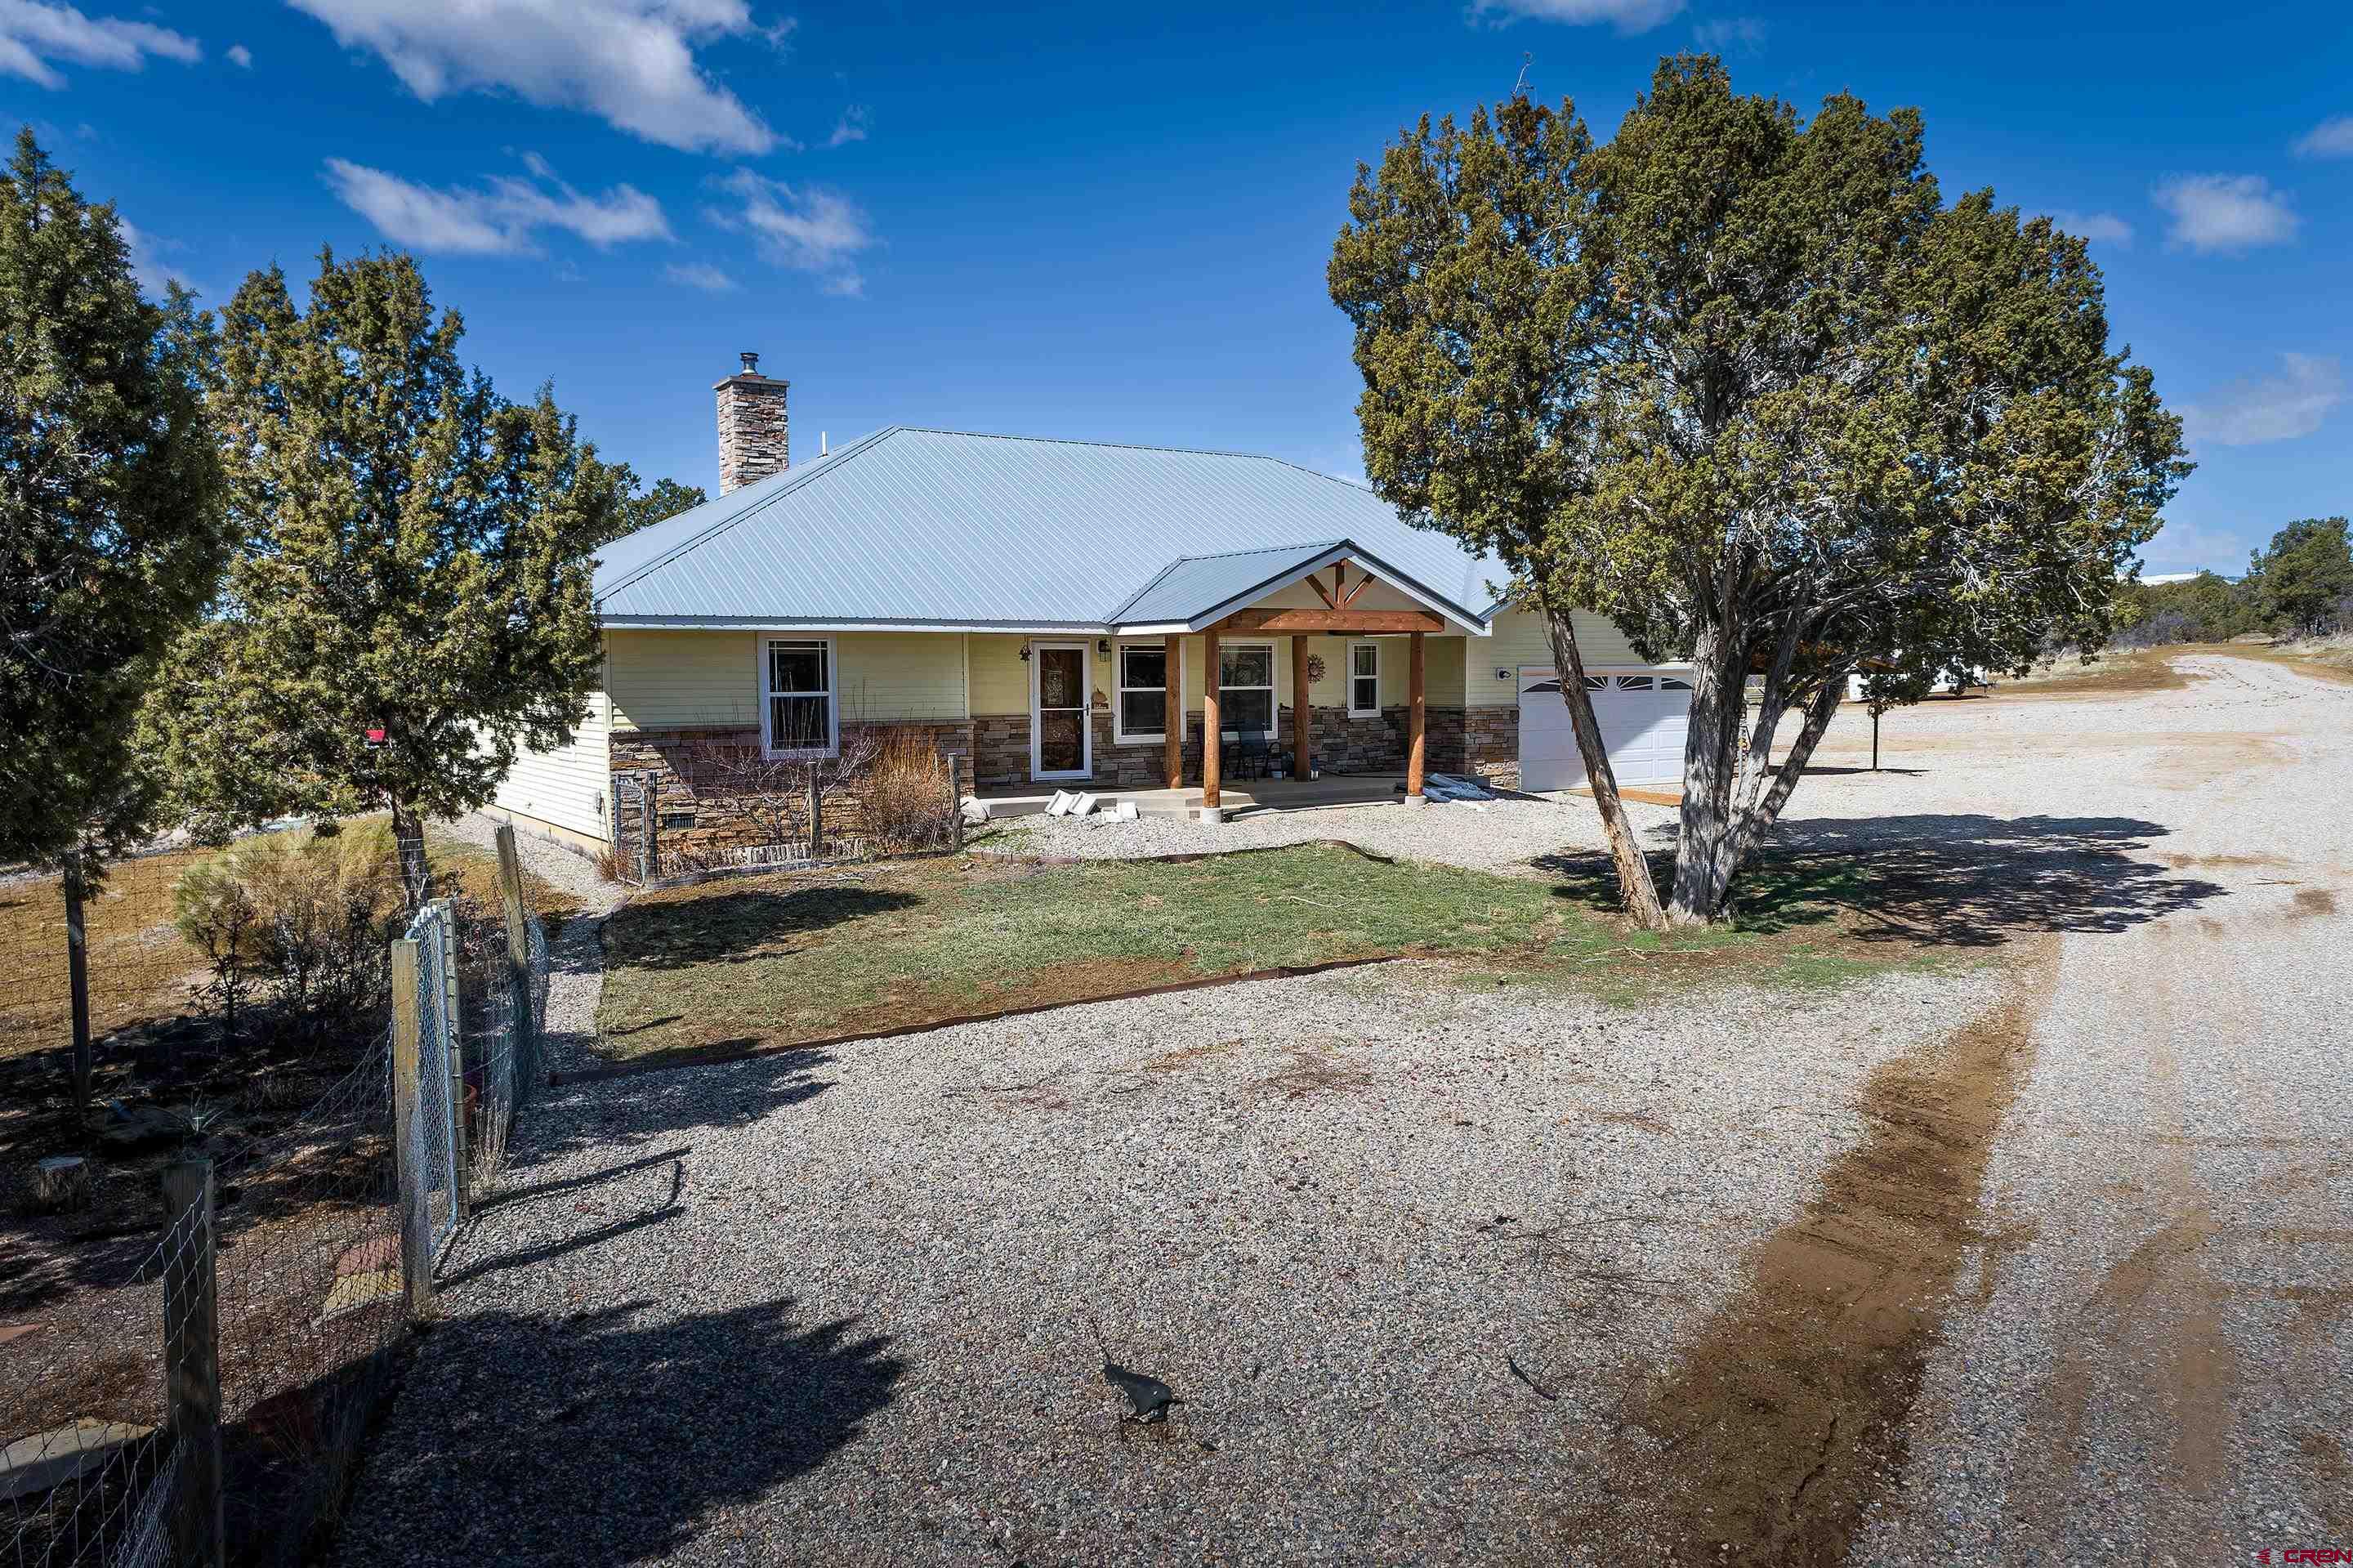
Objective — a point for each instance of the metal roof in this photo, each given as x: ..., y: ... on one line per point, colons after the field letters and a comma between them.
x: 1189, y: 583
x: 944, y: 530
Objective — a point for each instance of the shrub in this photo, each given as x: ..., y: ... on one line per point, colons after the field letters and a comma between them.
x: 903, y: 794
x: 308, y: 913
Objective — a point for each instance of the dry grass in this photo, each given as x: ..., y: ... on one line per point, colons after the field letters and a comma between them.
x: 141, y: 970
x: 2117, y: 673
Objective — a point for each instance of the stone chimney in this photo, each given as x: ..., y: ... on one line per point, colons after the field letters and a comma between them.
x: 754, y: 437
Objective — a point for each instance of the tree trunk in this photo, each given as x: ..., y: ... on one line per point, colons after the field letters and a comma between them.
x: 1706, y: 864
x: 1711, y: 773
x: 409, y: 843
x: 1639, y: 893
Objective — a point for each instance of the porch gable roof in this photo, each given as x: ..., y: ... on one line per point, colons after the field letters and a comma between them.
x: 1192, y: 592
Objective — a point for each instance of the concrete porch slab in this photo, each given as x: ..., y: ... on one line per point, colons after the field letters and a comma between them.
x: 1257, y: 795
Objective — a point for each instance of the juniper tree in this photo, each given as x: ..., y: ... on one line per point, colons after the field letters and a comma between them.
x: 111, y: 522
x: 413, y: 561
x: 1751, y: 388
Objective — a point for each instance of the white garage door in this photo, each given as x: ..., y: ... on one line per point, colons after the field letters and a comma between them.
x: 1643, y: 716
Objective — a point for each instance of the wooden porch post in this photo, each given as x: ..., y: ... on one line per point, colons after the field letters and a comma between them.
x: 1303, y: 723
x: 1173, y: 756
x: 1413, y: 720
x: 1211, y: 763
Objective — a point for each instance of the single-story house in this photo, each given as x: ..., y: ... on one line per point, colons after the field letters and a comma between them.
x: 1065, y: 612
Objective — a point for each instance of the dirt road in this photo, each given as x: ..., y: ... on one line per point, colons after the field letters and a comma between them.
x: 2155, y: 1361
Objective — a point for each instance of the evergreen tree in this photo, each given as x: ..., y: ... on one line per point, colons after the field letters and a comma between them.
x: 1749, y: 386
x: 415, y: 566
x: 110, y: 518
x: 665, y: 498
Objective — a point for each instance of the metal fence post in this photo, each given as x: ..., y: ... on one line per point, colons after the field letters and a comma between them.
x: 455, y: 1034
x: 77, y: 979
x: 648, y: 855
x: 192, y: 1365
x: 408, y: 1143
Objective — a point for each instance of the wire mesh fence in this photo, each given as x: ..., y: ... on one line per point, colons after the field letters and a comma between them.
x: 121, y: 1439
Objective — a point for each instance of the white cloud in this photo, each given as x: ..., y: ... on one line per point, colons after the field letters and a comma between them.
x: 631, y: 62
x: 147, y: 259
x: 2279, y: 408
x: 240, y: 57
x: 852, y: 126
x: 2332, y: 138
x: 32, y: 33
x: 701, y: 275
x: 1626, y: 15
x: 807, y: 228
x: 1723, y: 32
x: 2099, y: 227
x: 497, y: 220
x: 2227, y: 213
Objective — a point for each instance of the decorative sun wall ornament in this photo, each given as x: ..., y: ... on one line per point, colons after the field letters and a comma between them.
x: 1314, y: 667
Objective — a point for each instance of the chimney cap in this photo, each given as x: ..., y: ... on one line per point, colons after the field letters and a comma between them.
x: 750, y: 361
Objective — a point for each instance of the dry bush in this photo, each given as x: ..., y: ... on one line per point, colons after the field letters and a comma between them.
x: 306, y: 915
x: 903, y: 794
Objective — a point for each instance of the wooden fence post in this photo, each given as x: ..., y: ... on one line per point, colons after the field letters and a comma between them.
x: 816, y: 828
x: 648, y: 855
x: 192, y: 1364
x: 451, y: 1016
x: 77, y: 981
x: 415, y: 1218
x: 526, y: 1026
x: 955, y: 801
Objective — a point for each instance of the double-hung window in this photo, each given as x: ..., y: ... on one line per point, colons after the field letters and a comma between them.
x: 1246, y: 686
x: 797, y: 717
x: 1364, y: 680
x: 1148, y: 692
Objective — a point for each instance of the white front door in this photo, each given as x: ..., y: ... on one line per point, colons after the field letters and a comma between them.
x: 1644, y: 716
x: 1062, y: 733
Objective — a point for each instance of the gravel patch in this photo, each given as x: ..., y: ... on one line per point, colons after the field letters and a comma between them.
x: 1503, y: 835
x: 844, y: 1306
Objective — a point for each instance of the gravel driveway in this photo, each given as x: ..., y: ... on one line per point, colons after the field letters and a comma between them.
x: 2019, y: 1261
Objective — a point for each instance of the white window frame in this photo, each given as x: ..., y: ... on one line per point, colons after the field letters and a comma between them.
x: 1354, y: 711
x: 1274, y: 687
x: 832, y: 694
x: 1120, y: 734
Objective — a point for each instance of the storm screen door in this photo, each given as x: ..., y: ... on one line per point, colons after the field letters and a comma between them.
x: 1060, y: 744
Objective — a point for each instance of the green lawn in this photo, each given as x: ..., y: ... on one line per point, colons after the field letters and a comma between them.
x: 772, y: 960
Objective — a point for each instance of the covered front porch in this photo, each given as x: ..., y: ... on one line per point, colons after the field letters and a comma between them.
x: 1252, y: 613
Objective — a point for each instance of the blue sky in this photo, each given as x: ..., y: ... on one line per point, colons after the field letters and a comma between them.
x: 1112, y: 222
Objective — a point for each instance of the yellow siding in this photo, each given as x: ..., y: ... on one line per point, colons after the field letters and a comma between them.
x: 566, y: 786
x: 679, y: 680
x: 1519, y: 638
x: 1000, y: 681
x: 900, y: 675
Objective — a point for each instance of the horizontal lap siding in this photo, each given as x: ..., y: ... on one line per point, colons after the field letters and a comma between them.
x: 564, y: 785
x: 705, y: 680
x: 1521, y: 638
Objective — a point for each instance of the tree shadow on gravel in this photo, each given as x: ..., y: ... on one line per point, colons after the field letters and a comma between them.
x: 616, y: 1114
x: 1964, y: 880
x: 609, y: 1436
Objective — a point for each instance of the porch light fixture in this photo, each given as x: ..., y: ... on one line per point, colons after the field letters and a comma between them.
x: 1103, y: 647
x: 1025, y: 651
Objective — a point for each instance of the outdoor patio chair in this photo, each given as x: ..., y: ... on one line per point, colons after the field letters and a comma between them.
x: 1255, y: 754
